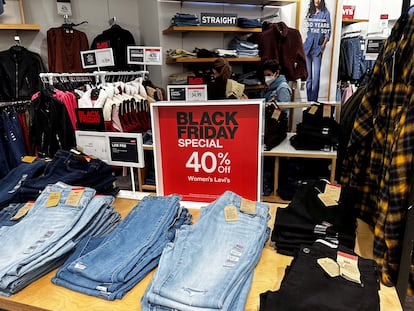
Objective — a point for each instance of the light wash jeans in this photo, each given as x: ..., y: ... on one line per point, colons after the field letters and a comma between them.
x: 46, y: 233
x: 109, y: 268
x: 210, y: 264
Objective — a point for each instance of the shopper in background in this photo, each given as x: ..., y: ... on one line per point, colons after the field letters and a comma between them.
x: 276, y: 87
x: 222, y: 87
x: 319, y: 31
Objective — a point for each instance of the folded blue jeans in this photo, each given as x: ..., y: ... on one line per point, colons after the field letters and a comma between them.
x: 214, y: 274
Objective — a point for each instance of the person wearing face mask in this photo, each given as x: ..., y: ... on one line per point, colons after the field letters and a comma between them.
x: 276, y: 87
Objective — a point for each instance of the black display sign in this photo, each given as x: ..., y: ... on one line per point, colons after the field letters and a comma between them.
x: 374, y: 46
x: 124, y: 149
x: 90, y: 119
x: 177, y: 93
x: 218, y: 19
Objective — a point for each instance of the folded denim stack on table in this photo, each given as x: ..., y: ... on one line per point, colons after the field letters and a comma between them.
x: 60, y: 217
x: 26, y: 181
x: 109, y: 267
x: 307, y: 219
x: 184, y: 19
x: 315, y: 281
x: 210, y: 264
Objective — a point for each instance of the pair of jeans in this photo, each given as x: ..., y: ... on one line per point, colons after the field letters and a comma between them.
x: 109, y: 267
x: 306, y: 286
x: 7, y: 213
x: 46, y: 233
x: 210, y: 264
x: 13, y: 137
x: 313, y: 65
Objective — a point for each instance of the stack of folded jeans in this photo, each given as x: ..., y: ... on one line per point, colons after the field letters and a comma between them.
x: 306, y: 286
x: 185, y: 19
x: 210, y: 264
x: 26, y: 181
x: 307, y: 219
x: 244, y: 48
x: 7, y: 214
x: 110, y: 266
x: 60, y: 217
x: 244, y: 22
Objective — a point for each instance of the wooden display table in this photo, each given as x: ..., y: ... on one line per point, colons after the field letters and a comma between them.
x: 44, y: 295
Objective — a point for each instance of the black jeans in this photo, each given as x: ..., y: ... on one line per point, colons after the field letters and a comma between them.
x: 306, y: 286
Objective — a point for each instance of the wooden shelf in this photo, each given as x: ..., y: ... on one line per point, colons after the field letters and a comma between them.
x: 151, y: 188
x: 252, y: 2
x: 210, y: 60
x: 173, y: 29
x: 255, y: 87
x: 350, y: 21
x: 35, y: 27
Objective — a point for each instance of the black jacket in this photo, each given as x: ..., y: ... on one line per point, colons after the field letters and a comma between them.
x: 50, y: 126
x: 21, y: 65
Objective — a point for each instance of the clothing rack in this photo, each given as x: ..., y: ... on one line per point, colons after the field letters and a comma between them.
x: 98, y: 75
x: 14, y: 103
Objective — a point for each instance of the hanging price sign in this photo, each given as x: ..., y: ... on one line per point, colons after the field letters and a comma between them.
x: 203, y: 149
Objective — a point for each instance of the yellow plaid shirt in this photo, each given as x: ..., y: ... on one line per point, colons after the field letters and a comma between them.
x: 379, y: 157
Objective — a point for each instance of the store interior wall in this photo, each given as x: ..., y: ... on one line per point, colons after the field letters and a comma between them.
x: 146, y: 20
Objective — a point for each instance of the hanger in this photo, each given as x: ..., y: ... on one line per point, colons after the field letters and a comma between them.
x: 69, y: 26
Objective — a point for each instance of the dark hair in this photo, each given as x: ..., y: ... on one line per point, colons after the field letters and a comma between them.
x: 223, y: 68
x: 271, y: 64
x: 312, y: 8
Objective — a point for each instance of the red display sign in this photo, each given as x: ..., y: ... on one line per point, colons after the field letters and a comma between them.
x: 204, y: 149
x: 348, y: 11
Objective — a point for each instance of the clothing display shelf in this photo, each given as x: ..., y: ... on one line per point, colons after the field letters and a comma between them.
x: 251, y: 2
x: 210, y: 60
x: 100, y: 76
x: 22, y: 25
x: 351, y: 21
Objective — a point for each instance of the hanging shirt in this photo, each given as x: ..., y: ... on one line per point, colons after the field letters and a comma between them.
x: 63, y: 49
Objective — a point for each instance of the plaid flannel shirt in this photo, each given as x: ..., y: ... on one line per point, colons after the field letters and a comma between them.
x: 379, y: 157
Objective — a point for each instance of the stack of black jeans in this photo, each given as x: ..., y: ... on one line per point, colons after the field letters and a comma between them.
x: 26, y: 181
x: 318, y: 129
x: 307, y: 219
x: 306, y: 286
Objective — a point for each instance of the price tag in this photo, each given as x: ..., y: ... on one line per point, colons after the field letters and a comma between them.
x: 313, y: 110
x: 53, y: 199
x: 74, y: 197
x: 230, y: 213
x: 333, y: 191
x: 248, y: 207
x: 326, y: 111
x: 276, y: 114
x: 327, y: 200
x: 23, y: 210
x: 329, y: 266
x: 28, y: 159
x: 348, y: 267
x: 197, y: 93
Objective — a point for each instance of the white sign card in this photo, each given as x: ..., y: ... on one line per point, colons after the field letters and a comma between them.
x: 123, y: 149
x: 144, y: 55
x: 97, y: 58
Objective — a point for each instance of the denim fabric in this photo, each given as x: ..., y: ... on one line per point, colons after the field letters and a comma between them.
x: 4, y: 164
x: 244, y: 22
x: 217, y: 273
x: 13, y: 137
x: 10, y: 185
x: 7, y: 213
x: 319, y: 27
x: 313, y: 65
x: 306, y: 286
x: 139, y: 240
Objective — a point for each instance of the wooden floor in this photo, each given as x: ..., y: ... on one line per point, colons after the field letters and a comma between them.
x: 43, y: 295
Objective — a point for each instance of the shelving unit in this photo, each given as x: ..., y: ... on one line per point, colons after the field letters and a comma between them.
x: 210, y: 60
x: 175, y: 29
x: 22, y: 25
x: 351, y: 21
x: 252, y: 2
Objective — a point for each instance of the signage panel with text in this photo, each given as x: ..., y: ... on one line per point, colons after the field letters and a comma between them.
x: 203, y: 149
